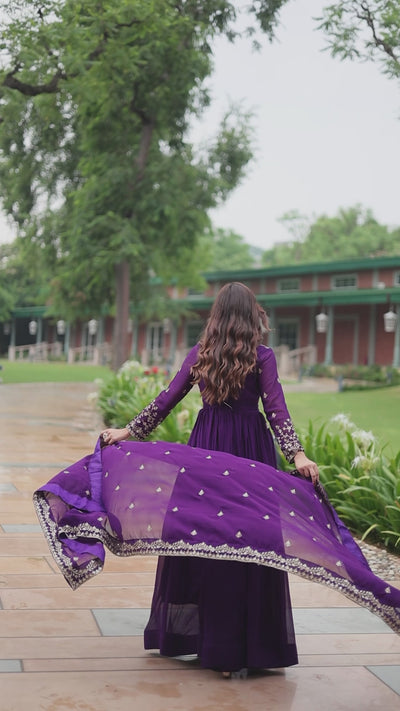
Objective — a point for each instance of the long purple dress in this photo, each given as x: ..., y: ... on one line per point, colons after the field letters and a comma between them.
x: 227, y: 524
x: 231, y: 614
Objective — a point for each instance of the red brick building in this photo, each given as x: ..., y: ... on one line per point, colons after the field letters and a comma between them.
x: 352, y: 296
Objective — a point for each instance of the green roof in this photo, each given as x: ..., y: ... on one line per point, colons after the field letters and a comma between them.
x: 348, y: 265
x: 312, y: 298
x: 29, y: 311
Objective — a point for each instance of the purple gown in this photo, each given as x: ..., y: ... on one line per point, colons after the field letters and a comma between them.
x: 231, y: 614
x: 227, y: 524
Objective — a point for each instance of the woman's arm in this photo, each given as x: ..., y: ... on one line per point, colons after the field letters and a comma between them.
x: 156, y: 411
x: 278, y: 416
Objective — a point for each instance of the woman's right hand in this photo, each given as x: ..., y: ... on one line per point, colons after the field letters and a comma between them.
x: 111, y: 436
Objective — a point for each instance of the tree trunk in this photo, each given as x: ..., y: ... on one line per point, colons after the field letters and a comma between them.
x: 120, y: 349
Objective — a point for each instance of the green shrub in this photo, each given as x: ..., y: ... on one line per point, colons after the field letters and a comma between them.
x: 362, y: 483
x: 128, y: 391
x: 373, y: 374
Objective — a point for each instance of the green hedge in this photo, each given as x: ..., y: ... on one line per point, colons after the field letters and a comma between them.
x: 362, y: 483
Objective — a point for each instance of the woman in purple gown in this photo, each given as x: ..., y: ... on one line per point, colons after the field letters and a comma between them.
x: 227, y: 525
x: 233, y: 615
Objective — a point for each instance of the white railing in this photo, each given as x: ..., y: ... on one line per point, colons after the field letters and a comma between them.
x: 295, y: 361
x: 92, y: 355
x: 34, y: 352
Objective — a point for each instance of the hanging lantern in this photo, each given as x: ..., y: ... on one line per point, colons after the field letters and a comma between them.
x: 6, y: 328
x: 167, y: 324
x: 60, y: 327
x: 390, y: 320
x: 321, y: 321
x: 32, y: 327
x: 92, y: 327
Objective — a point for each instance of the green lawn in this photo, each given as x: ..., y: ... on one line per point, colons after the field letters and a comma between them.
x: 374, y: 410
x: 53, y: 372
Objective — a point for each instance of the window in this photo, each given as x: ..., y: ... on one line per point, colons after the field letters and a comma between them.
x: 288, y: 285
x: 344, y: 281
x: 155, y: 342
x: 195, y: 292
x: 396, y: 280
x: 193, y: 331
x: 288, y: 334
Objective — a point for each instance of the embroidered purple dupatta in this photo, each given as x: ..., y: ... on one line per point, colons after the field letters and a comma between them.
x: 159, y: 498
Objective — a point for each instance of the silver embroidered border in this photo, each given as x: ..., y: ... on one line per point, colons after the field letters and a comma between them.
x: 76, y: 576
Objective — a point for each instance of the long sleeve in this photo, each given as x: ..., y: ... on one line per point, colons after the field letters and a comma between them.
x: 157, y: 410
x: 274, y: 404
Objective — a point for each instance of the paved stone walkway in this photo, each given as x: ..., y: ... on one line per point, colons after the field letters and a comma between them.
x: 65, y: 651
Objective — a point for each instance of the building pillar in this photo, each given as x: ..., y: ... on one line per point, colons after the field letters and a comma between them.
x: 329, y: 337
x: 311, y: 327
x: 356, y: 351
x: 271, y: 333
x: 13, y: 338
x: 372, y: 334
x: 67, y: 339
x: 396, y: 347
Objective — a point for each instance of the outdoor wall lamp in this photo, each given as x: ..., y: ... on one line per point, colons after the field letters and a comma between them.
x: 92, y: 327
x: 60, y: 327
x: 32, y: 327
x: 6, y: 328
x: 321, y: 321
x: 167, y: 325
x: 390, y: 320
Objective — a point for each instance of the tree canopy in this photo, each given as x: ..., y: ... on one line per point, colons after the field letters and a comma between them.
x: 351, y: 234
x: 96, y: 99
x: 364, y: 30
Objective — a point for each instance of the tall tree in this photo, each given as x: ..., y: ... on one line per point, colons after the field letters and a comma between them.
x: 225, y: 250
x: 96, y: 99
x: 352, y: 233
x: 365, y: 30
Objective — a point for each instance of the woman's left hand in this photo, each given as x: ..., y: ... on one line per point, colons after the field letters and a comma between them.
x: 111, y: 436
x: 306, y: 467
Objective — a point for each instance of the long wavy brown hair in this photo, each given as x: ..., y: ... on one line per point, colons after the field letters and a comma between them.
x: 228, y: 345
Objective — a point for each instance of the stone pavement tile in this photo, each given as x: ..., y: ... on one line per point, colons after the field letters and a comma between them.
x: 316, y: 595
x: 83, y: 598
x: 187, y: 689
x: 349, y: 660
x: 33, y: 623
x: 132, y: 564
x: 28, y: 516
x: 114, y: 622
x: 15, y: 545
x: 16, y: 504
x: 21, y: 528
x: 386, y: 643
x: 143, y: 663
x: 21, y: 564
x: 7, y: 488
x: 337, y: 620
x: 73, y: 647
x: 390, y: 675
x: 10, y: 665
x: 56, y: 580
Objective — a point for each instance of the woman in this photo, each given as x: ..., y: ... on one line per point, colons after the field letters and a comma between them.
x: 228, y: 525
x: 233, y: 615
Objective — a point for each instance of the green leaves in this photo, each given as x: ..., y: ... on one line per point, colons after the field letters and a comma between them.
x: 352, y: 233
x: 362, y: 483
x: 356, y: 29
x: 129, y: 390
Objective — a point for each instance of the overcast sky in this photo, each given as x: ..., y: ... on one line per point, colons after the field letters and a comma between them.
x: 327, y: 133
